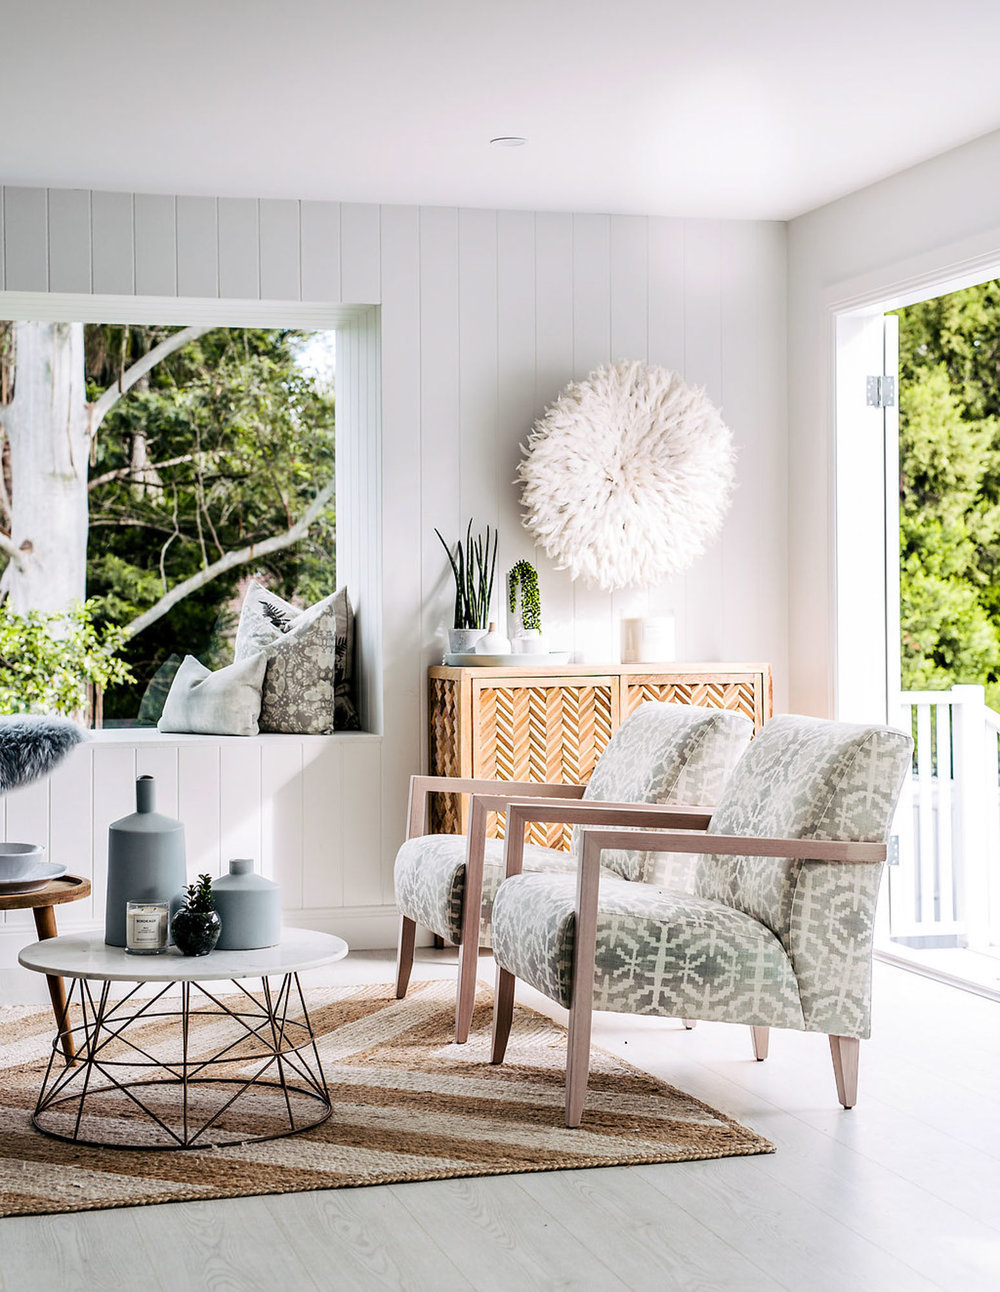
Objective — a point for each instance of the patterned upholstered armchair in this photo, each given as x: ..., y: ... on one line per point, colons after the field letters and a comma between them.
x: 776, y: 932
x: 662, y: 754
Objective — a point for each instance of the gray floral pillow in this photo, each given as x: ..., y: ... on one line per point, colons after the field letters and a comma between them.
x: 307, y: 685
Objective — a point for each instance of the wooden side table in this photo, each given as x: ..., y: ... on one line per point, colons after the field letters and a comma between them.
x: 68, y: 888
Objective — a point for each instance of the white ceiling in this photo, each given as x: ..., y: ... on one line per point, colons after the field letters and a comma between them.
x: 725, y: 108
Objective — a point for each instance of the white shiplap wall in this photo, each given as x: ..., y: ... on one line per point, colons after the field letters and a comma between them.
x: 481, y: 318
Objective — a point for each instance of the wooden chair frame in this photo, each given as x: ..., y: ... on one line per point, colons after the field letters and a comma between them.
x: 500, y: 796
x: 844, y: 1049
x: 487, y: 797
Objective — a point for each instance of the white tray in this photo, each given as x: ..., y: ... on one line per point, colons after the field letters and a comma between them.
x: 472, y: 660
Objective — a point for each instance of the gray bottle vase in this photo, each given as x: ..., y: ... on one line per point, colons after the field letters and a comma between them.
x: 250, y: 907
x: 145, y: 860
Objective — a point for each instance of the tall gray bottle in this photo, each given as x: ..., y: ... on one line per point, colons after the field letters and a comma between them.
x: 145, y: 860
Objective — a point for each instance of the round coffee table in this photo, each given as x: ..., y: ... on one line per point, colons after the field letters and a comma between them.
x: 156, y: 1071
x: 67, y: 888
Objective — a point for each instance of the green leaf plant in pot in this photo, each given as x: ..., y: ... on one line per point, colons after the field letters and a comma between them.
x: 196, y: 925
x: 474, y: 567
x: 525, y: 605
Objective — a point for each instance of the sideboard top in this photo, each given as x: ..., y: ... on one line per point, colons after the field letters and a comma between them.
x: 670, y: 668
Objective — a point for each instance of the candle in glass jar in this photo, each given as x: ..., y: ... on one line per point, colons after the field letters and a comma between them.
x: 146, y: 926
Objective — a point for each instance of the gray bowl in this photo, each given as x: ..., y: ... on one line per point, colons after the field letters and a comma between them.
x: 21, y: 861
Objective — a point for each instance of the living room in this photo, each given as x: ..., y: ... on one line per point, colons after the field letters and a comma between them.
x: 468, y: 285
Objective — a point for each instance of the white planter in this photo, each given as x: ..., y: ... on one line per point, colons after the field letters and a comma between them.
x: 462, y: 641
x: 528, y: 642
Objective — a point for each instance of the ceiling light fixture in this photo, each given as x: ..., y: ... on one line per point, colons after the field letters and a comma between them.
x: 508, y: 141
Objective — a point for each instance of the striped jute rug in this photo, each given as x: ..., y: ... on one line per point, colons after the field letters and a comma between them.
x: 408, y: 1104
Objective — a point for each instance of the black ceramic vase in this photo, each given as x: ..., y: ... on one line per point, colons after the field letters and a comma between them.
x: 195, y: 933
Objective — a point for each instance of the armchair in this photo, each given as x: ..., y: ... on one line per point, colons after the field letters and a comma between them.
x: 776, y: 932
x: 662, y: 754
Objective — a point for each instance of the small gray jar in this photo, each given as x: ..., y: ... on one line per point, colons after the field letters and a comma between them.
x: 249, y: 906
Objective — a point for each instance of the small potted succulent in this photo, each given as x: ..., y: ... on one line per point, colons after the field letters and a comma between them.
x: 525, y: 606
x: 474, y: 567
x: 196, y: 925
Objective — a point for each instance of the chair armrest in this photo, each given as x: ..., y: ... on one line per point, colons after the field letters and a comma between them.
x: 595, y: 813
x: 422, y: 786
x: 843, y: 851
x: 588, y: 875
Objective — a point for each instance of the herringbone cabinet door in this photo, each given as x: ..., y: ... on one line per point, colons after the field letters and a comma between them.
x: 743, y: 694
x: 545, y: 731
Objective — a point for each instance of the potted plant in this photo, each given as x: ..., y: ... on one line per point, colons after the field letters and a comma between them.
x: 474, y: 567
x: 525, y: 606
x: 196, y: 925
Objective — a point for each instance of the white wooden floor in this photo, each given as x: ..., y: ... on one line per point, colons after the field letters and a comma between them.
x: 903, y: 1192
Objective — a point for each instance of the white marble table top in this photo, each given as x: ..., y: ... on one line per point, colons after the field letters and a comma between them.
x: 76, y: 956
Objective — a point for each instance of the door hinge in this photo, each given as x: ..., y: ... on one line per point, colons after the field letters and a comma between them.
x: 881, y: 392
x: 892, y: 851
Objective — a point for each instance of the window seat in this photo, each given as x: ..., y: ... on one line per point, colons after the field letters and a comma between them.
x: 151, y: 736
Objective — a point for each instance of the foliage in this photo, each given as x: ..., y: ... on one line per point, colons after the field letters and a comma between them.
x: 223, y: 444
x: 474, y: 569
x: 524, y: 576
x: 199, y: 897
x: 47, y: 662
x: 950, y: 490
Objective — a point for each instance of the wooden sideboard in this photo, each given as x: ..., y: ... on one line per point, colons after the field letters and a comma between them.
x: 552, y: 723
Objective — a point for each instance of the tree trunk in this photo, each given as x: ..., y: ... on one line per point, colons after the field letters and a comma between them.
x: 47, y: 429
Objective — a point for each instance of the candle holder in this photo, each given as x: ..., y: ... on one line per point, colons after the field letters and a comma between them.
x: 146, y: 928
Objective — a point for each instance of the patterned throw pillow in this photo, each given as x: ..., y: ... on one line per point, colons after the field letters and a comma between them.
x: 307, y: 686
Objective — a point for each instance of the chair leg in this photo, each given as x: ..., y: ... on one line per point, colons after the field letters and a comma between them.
x: 578, y: 1058
x: 503, y: 1013
x: 845, y: 1051
x: 465, y: 1002
x: 404, y: 954
x: 690, y: 1023
x: 761, y: 1037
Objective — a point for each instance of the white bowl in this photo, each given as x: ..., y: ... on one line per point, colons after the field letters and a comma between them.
x: 20, y: 861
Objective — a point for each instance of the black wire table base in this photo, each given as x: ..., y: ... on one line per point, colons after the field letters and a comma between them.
x: 246, y: 1072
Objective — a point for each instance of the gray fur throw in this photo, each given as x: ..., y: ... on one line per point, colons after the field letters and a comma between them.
x: 31, y: 746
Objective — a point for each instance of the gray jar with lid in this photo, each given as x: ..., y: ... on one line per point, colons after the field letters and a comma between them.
x: 249, y: 906
x: 145, y: 860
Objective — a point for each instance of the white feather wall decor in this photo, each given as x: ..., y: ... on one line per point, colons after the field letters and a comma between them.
x: 627, y: 476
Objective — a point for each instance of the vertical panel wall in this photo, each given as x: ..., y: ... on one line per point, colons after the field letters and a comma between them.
x: 479, y: 319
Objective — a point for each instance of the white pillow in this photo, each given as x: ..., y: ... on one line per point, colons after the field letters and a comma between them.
x: 226, y: 703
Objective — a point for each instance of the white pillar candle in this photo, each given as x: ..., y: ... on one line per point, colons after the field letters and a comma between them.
x: 146, y: 927
x: 649, y: 640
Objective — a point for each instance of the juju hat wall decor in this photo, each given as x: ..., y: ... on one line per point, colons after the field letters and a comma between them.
x: 627, y: 476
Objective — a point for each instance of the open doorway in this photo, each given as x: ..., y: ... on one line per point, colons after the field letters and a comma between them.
x: 918, y: 508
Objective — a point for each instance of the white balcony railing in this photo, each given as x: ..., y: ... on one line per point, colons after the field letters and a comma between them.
x: 944, y: 865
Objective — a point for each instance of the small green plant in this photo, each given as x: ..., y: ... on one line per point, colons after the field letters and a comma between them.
x: 198, y: 898
x: 48, y: 661
x: 523, y: 578
x: 474, y: 567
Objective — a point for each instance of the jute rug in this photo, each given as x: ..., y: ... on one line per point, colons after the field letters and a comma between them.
x: 408, y: 1104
